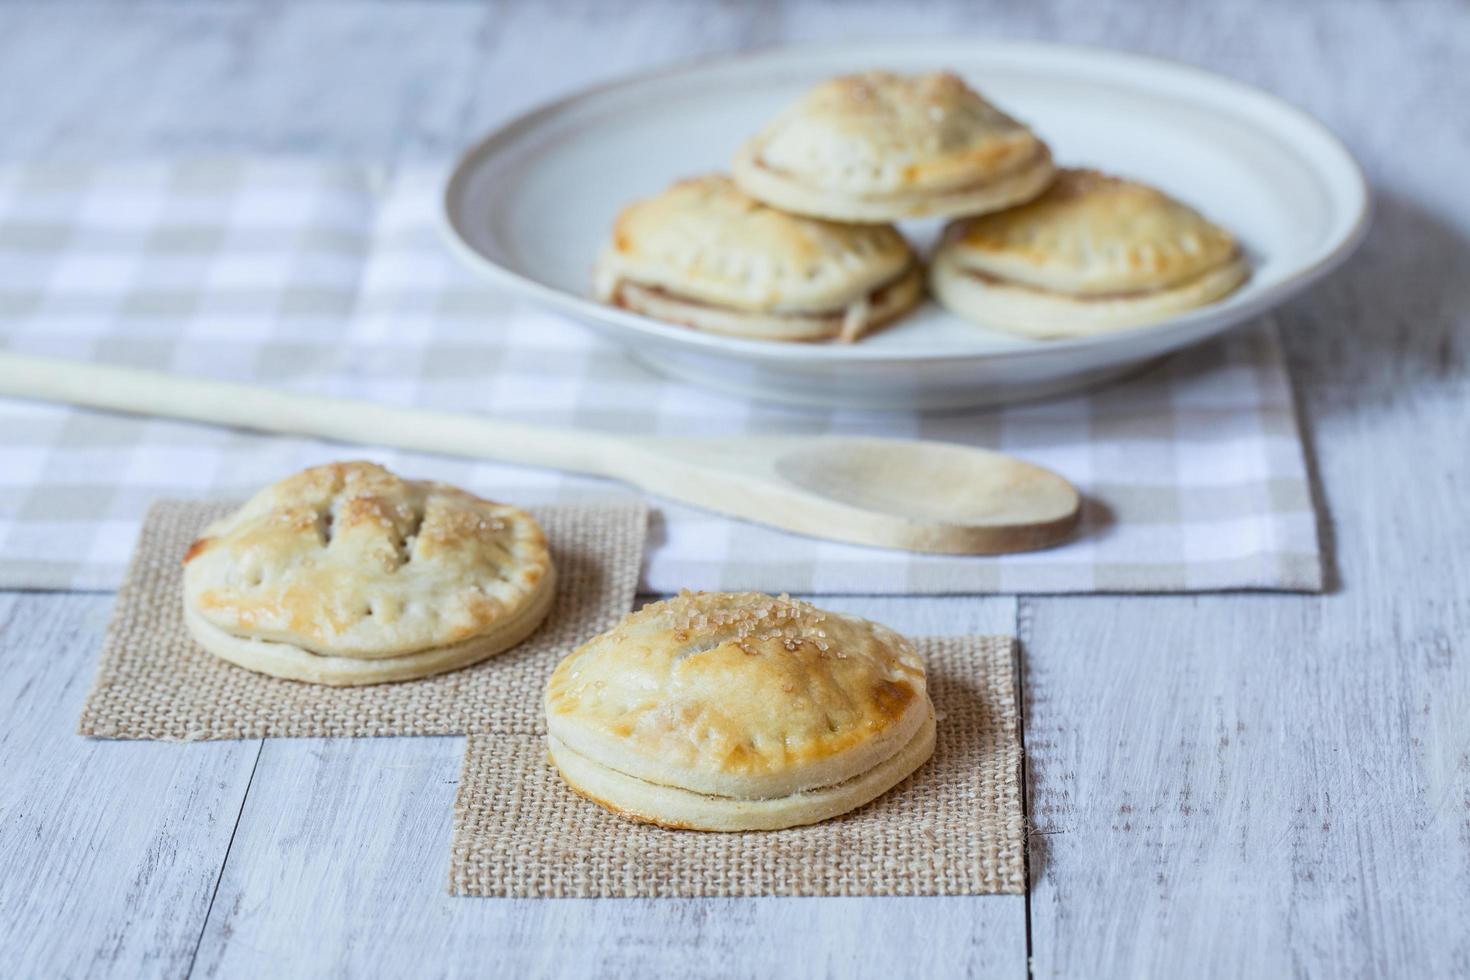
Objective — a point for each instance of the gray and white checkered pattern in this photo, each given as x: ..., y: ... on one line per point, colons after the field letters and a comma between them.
x: 331, y: 279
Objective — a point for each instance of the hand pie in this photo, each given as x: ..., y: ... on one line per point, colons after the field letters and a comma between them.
x: 738, y: 711
x: 880, y: 147
x: 704, y: 255
x: 1093, y: 253
x: 346, y: 574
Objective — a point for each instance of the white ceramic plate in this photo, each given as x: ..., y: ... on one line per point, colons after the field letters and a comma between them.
x: 531, y: 204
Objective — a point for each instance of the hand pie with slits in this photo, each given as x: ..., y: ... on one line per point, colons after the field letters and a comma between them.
x: 881, y: 147
x: 346, y: 574
x: 738, y: 711
x: 1094, y: 253
x: 704, y: 255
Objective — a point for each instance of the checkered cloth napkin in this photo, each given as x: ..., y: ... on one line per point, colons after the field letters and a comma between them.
x: 332, y: 279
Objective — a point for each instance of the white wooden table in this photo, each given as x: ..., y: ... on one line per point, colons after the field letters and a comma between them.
x: 1226, y: 784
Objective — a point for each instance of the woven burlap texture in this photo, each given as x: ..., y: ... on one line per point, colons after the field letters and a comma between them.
x: 953, y: 828
x: 154, y: 682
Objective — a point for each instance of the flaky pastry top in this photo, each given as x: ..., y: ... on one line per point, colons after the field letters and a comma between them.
x: 703, y: 239
x: 739, y: 694
x: 350, y: 560
x: 879, y: 133
x: 1092, y: 234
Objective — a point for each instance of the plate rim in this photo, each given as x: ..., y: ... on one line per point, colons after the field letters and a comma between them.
x: 1186, y: 325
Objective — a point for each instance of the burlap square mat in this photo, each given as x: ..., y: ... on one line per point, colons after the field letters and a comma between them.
x: 953, y: 828
x: 154, y: 682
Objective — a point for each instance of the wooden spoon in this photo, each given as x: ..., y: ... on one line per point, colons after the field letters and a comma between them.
x: 918, y: 496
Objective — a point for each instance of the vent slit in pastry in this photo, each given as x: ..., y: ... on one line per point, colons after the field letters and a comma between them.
x: 408, y: 540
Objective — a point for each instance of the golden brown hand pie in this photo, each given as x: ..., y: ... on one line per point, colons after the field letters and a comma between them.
x: 738, y: 711
x: 881, y: 147
x: 346, y: 574
x: 1094, y: 253
x: 704, y: 255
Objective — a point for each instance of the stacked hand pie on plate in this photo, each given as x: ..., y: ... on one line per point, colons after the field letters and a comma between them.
x: 881, y: 147
x: 705, y: 255
x: 798, y: 245
x: 1092, y: 253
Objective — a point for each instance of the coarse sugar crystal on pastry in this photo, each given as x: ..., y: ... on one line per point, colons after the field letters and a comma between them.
x: 1094, y: 253
x: 738, y: 711
x: 704, y: 255
x: 880, y: 146
x: 346, y: 574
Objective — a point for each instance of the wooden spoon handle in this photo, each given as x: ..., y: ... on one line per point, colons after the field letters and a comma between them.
x: 157, y: 393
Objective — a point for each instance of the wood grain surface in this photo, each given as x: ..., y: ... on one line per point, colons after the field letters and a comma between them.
x: 1223, y: 785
